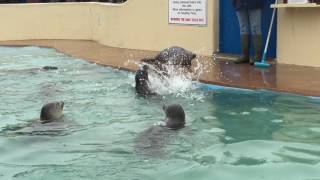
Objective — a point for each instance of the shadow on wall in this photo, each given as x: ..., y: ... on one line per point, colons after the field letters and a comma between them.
x: 48, y: 1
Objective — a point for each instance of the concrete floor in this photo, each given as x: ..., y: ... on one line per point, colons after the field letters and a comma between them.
x: 284, y: 78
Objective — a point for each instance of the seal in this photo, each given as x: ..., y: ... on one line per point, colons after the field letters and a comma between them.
x: 153, y: 141
x: 175, y: 116
x: 49, y: 68
x: 48, y: 123
x: 142, y: 81
x: 30, y: 70
x: 174, y: 55
x: 51, y: 111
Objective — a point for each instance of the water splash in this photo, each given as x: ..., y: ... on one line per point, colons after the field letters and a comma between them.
x: 176, y: 80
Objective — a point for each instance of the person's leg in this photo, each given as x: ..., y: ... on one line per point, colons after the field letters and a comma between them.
x: 243, y: 19
x: 255, y: 25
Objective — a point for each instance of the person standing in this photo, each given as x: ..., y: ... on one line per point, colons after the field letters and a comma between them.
x: 249, y: 17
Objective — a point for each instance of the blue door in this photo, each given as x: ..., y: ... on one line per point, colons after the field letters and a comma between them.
x: 229, y: 28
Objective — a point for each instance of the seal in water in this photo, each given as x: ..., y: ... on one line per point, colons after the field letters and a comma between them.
x: 48, y: 124
x: 49, y: 68
x: 175, y: 116
x: 142, y: 81
x: 172, y: 56
x: 153, y: 141
x: 30, y: 70
x: 51, y: 111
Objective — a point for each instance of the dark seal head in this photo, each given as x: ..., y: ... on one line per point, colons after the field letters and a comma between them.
x: 142, y: 81
x: 153, y: 141
x: 176, y: 55
x: 49, y: 68
x: 51, y: 111
x: 175, y: 116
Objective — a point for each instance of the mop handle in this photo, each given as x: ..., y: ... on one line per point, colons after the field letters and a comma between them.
x: 269, y: 33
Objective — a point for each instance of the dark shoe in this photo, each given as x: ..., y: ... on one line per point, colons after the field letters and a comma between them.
x: 257, y: 45
x: 242, y: 59
x: 244, y: 40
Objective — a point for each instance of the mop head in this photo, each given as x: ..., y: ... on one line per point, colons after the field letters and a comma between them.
x: 262, y: 64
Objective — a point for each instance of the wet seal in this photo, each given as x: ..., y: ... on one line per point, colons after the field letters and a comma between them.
x: 29, y: 70
x: 51, y: 111
x: 48, y: 124
x: 153, y: 141
x: 49, y: 68
x: 175, y: 117
x: 174, y: 55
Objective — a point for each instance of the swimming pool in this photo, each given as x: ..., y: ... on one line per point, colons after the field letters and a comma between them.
x: 230, y: 133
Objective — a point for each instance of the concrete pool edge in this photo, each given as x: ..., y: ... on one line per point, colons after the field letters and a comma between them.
x: 280, y: 78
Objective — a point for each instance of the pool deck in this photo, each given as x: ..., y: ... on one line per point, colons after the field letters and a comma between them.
x: 280, y: 77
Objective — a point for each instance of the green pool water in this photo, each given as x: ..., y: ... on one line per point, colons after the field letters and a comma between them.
x: 231, y: 134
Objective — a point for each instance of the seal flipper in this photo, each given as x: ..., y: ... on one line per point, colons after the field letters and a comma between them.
x: 142, y: 82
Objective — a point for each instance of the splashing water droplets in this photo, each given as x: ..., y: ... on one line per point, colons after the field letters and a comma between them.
x: 176, y: 81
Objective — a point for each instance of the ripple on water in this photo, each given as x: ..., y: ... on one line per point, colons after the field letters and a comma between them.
x: 245, y: 113
x: 260, y: 109
x: 315, y: 129
x: 277, y: 120
x: 209, y: 118
x: 215, y: 130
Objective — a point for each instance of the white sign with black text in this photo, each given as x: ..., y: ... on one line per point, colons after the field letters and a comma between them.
x: 188, y: 12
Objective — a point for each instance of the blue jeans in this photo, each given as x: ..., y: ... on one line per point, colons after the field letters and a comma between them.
x: 249, y: 21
